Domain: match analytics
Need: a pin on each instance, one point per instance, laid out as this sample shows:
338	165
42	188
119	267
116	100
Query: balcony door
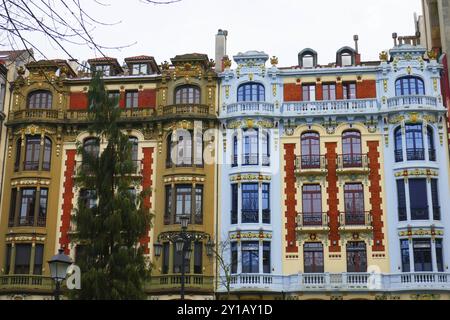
354	204
356	257
352	149
312	205
310	150
414	143
314	260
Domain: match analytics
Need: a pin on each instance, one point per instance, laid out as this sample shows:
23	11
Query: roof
13	54
139	58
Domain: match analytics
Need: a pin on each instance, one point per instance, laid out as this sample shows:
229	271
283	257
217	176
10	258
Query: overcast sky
278	27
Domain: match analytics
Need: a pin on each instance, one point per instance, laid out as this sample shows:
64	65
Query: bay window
250	257
183	200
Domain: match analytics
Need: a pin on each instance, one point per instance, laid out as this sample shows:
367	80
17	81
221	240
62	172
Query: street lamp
158	249
209	248
58	269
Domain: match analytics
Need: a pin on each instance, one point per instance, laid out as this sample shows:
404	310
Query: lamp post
58	270
183	241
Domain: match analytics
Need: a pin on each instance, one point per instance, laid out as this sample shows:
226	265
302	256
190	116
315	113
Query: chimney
221	48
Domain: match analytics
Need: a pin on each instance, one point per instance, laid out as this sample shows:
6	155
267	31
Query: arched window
398	137
40	99
187	95
408	86
91	147
251	152
47	154
18	154
307	58
351	149
251	91
32	153
345	57
310	150
431	145
134	148
414	142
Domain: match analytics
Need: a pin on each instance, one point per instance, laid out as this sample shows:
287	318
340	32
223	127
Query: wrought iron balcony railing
347	161
312	162
417	154
356	219
250	216
312	219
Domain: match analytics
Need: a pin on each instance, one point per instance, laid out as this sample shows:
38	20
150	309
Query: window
352	149
307	58
165	258
8	259
12	208
168	209
349	90
27	207
435	200
250	257
251	151
234	257
404	247
91	147
401	198
178	260
346	59
329	91
134	153
80	253
431	146
23	257
354	204
198	136
104	70
313	258
131	99
308	61
114	97
43	202
398	144
32	153
408	86
234	204
250	204
418	199
254	92
198	257
47	155
356	257
88	198
235	151
18	155
184	149
38	259
414	142
309	92
265	148
40	100
312	205
183	202
422	255
266	258
139	69
198	204
310	142
187	95
439	255
266	203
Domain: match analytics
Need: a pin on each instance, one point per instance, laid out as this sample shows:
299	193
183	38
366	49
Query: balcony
417	154
186	110
246	108
250	216
311	165
355	221
26	283
34	115
126	114
353	164
335	107
250	159
173	283
416	102
339	282
312	222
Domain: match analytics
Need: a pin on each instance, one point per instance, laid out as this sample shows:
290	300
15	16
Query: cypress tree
110	225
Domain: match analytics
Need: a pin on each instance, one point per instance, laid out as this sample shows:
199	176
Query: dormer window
104	69
139	69
346	57
307	58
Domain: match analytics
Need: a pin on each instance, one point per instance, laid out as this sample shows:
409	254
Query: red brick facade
333	200
68	195
375	195
147	183
78	101
291	201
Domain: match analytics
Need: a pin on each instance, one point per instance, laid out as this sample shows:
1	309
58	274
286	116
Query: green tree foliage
110	218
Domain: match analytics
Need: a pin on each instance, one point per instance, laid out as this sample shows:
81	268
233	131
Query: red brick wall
291	201
375	195
366	89
147	99
78	101
146	185
319	92
292	92
67	206
332	193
